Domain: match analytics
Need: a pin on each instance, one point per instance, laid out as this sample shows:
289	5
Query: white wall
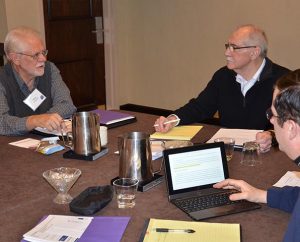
18	12
167	50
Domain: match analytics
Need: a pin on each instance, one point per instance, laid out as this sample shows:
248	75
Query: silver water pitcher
84	138
135	156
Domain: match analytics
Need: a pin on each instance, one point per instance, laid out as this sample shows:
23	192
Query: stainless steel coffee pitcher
84	138
135	156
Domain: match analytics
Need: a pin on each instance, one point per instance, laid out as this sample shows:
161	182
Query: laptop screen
194	168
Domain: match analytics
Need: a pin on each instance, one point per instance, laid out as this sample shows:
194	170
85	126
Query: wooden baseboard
145	109
161	112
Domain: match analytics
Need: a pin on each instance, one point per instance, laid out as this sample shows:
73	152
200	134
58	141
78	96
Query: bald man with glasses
32	92
240	92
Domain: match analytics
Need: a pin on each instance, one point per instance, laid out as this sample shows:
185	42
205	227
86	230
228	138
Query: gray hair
15	38
257	37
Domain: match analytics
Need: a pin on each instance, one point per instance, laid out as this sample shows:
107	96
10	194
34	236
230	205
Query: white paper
240	135
119	120
58	228
46	131
156	149
68	124
26	143
291	178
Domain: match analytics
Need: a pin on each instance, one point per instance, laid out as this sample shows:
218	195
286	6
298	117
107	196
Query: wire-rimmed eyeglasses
36	55
233	47
270	114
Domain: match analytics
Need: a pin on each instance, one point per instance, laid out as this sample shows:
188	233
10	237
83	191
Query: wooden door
72	43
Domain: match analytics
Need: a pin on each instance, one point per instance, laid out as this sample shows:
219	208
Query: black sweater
223	94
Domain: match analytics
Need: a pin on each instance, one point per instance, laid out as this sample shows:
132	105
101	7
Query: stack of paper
157	148
178	133
55	228
199	231
291	178
46	132
28	143
240	135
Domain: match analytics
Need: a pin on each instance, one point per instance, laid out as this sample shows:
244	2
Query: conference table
26	197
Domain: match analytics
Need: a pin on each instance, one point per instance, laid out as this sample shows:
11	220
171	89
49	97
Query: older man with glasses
32	92
240	92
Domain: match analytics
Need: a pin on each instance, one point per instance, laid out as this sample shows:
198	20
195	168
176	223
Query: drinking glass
250	154
229	146
125	189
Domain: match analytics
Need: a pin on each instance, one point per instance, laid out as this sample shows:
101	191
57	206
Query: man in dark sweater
285	116
32	93
240	92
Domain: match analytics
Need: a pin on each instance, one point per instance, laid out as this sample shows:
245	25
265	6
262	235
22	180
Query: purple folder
114	119
104	229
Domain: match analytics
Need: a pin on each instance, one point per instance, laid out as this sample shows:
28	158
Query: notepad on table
113	119
178	133
204	232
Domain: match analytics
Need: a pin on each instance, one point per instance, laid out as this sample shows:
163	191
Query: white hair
257	37
16	37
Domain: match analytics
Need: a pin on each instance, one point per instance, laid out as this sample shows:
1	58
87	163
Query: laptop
190	174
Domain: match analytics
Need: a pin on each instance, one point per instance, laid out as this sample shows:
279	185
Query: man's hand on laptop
247	191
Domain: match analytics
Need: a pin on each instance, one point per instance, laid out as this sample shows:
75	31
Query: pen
165	230
168	122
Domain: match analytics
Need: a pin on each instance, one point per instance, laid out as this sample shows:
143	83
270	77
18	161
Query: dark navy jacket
223	94
287	199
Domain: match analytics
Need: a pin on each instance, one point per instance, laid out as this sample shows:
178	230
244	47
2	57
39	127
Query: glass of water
229	146
125	189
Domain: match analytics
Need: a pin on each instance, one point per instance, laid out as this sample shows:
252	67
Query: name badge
35	99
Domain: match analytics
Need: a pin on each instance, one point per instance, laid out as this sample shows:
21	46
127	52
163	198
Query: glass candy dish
62	179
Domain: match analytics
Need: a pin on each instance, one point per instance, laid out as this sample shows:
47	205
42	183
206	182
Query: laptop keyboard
199	203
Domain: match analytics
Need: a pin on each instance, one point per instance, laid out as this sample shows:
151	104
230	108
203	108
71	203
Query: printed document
240	135
291	178
57	228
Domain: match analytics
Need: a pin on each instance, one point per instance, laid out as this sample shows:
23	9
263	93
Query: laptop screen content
196	168
191	168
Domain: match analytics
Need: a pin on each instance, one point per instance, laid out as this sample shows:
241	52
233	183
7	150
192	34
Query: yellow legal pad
178	133
204	232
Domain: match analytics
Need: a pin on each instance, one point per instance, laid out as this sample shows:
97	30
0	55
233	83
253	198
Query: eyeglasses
270	114
232	47
36	55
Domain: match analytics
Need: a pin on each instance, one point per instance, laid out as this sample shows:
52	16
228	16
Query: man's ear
293	129
255	53
14	58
